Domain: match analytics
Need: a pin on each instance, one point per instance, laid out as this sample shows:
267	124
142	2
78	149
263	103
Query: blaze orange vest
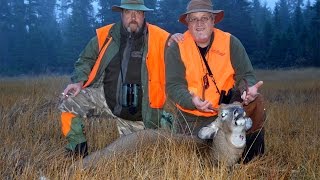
157	38
218	58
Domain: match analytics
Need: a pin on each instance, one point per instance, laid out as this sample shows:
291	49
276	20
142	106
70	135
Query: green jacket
175	72
87	59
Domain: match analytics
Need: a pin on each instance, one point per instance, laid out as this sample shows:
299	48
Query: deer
226	134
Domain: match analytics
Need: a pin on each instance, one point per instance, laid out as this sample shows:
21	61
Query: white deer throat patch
238	139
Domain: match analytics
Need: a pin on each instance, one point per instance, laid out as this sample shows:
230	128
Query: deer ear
248	124
208	132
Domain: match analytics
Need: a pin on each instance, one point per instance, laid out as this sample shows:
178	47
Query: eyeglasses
203	19
130	12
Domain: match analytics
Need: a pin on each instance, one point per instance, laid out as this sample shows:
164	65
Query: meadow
31	144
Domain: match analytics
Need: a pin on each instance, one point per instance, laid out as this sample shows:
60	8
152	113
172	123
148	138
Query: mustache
133	22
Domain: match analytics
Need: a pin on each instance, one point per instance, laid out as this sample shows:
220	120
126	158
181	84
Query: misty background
46	36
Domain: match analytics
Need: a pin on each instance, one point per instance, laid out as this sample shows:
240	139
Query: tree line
46	36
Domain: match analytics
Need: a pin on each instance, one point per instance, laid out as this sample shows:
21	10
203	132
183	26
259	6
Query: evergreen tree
277	51
261	22
17	35
34	38
42	36
263	46
315	35
151	16
276	20
63	7
299	30
258	15
38	36
51	33
167	18
5	16
308	13
105	14
238	22
79	30
298	21
290	47
283	15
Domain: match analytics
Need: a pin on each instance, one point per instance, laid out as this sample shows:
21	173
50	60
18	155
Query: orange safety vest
157	38
218	58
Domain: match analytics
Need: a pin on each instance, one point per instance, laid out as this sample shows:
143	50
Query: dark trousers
254	146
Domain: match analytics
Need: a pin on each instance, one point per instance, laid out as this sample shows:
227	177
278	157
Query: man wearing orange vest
120	74
210	67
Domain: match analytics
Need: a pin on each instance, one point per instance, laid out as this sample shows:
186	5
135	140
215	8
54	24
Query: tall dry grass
31	145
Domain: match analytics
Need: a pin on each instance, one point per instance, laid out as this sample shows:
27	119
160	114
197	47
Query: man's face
200	26
132	20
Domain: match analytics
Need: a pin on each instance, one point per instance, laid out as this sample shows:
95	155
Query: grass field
31	144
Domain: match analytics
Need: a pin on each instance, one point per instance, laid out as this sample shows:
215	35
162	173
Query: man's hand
251	93
201	105
177	37
73	89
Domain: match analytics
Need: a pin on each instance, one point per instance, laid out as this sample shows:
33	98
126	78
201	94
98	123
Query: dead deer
227	132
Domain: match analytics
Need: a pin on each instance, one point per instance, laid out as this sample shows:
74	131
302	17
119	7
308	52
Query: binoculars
130	95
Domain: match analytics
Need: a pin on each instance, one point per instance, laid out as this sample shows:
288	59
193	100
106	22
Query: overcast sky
271	3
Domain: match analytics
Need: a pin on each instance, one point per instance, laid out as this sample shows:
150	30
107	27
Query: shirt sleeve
241	65
85	62
176	83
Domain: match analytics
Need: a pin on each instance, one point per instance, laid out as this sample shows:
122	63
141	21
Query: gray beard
129	29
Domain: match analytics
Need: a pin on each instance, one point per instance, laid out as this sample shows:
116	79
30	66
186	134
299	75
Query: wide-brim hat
201	6
131	5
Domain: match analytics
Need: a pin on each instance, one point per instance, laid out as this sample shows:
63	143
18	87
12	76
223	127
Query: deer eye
223	114
238	112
